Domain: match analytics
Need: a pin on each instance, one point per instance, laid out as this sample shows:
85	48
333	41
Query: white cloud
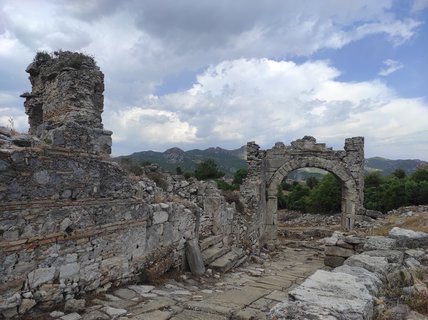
419	5
267	101
391	67
149	128
140	44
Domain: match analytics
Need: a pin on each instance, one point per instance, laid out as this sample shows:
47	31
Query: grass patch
417	222
418	301
394	294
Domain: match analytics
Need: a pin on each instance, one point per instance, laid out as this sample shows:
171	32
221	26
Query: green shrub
208	170
240	175
42	56
76	60
396	190
223	185
159	179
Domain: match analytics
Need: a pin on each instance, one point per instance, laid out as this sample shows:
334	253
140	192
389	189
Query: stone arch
267	168
349	195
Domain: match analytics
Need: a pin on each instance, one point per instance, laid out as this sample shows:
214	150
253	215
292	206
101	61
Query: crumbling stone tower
65	105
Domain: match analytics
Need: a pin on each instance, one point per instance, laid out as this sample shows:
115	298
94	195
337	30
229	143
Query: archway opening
333	188
310	199
310	190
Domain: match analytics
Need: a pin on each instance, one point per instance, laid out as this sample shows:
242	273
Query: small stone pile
339	247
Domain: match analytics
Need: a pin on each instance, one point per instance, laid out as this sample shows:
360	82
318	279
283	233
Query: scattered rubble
371	266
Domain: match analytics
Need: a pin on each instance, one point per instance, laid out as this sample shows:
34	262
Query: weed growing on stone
418	301
42	56
394	294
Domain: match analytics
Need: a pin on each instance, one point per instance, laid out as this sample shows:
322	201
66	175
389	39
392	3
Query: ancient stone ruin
267	168
65	105
73	222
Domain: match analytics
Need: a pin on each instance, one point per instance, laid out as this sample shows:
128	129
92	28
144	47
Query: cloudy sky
196	74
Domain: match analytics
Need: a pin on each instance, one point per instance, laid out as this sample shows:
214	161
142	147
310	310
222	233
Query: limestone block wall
70	223
215	215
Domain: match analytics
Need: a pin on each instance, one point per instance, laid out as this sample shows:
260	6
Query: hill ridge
231	160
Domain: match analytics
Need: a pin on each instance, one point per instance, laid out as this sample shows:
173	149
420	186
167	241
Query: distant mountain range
229	161
388	166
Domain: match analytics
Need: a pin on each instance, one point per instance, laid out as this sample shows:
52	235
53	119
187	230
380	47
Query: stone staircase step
229	260
214	252
210	241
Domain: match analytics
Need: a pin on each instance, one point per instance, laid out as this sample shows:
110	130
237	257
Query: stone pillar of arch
274	164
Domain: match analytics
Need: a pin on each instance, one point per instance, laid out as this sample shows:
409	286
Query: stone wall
253	197
71	223
71	220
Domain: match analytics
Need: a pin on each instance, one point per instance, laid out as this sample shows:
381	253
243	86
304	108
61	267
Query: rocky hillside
387	166
228	160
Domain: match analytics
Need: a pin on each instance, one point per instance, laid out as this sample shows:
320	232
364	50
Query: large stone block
393	256
327	295
409	238
377	265
115	268
69	272
40	276
333	261
379	243
194	258
160	217
338	251
369	279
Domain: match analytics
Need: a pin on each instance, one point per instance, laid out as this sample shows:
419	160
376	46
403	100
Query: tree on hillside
396	190
297	198
420	175
399	173
373	179
208	170
311	182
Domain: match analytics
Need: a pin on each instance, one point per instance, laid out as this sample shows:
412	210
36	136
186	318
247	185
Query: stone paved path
246	293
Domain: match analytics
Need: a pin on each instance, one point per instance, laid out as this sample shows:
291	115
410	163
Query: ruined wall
268	168
70	223
65	105
253	196
71	220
